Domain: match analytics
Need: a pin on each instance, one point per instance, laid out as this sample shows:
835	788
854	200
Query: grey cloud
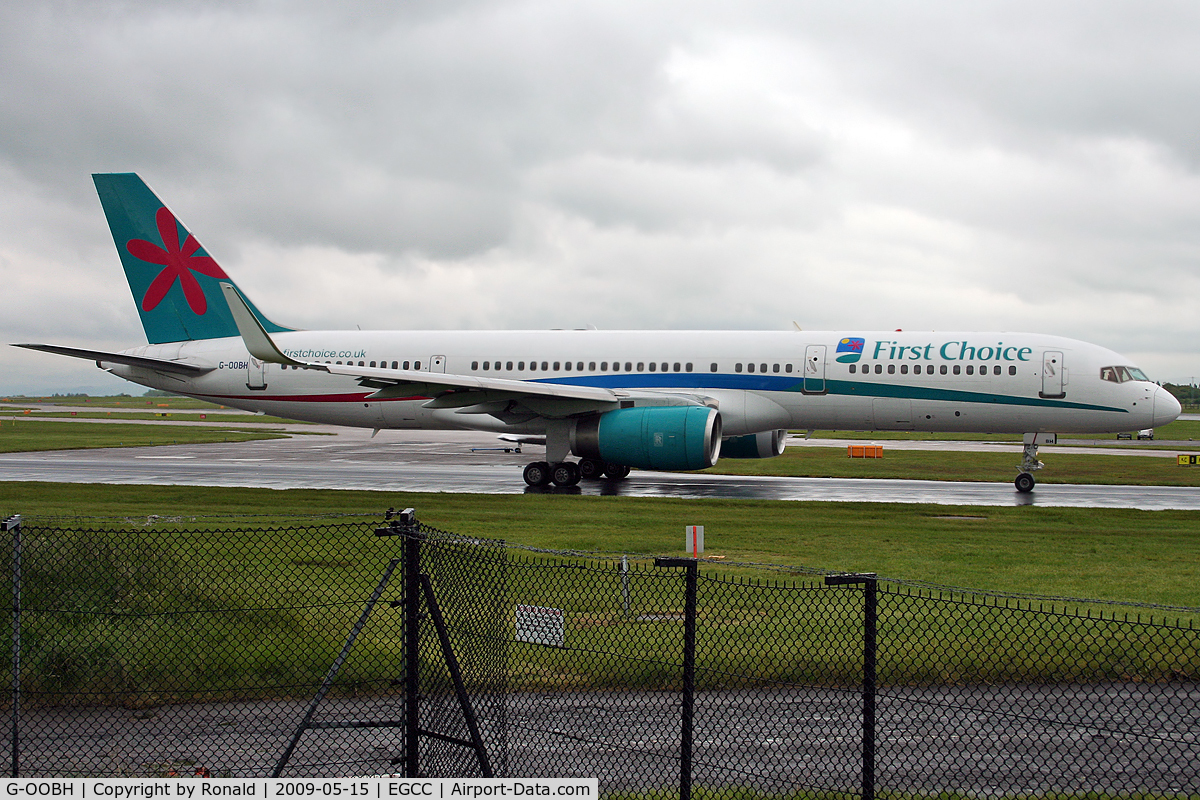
937	164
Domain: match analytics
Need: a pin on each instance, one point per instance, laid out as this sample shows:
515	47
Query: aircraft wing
468	393
99	356
398	383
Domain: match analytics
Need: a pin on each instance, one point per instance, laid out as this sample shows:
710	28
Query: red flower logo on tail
178	263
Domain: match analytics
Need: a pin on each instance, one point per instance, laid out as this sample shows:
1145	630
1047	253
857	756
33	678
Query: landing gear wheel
616	471
537	473
565	474
1024	483
590	469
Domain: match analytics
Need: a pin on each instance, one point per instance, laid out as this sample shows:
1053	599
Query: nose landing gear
1029	461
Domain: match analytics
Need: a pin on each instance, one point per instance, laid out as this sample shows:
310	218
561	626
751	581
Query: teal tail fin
174	281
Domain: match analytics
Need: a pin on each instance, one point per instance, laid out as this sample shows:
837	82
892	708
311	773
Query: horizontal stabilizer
519	439
99	356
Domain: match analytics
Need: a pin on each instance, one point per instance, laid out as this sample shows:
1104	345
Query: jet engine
652	437
765	444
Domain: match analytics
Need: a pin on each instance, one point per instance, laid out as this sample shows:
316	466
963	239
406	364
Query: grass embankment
209	563
171	615
1109	554
27	435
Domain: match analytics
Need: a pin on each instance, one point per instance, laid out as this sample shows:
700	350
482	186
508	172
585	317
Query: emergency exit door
1054	374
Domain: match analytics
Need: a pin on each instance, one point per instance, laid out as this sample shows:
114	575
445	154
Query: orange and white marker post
693	539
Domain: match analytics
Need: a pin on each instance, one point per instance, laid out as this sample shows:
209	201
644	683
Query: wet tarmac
478	463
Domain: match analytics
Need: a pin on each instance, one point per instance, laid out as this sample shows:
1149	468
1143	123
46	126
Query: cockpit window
1122	374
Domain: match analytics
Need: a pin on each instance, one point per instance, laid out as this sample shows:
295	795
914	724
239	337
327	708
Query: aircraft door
437	363
814	369
256	374
1054	375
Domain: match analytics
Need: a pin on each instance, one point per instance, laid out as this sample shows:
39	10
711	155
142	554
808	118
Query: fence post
13	524
689	669
870	583
412	648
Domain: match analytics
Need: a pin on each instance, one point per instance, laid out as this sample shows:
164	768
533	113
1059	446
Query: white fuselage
930	381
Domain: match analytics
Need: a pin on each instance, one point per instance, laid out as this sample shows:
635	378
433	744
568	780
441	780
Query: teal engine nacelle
652	437
766	444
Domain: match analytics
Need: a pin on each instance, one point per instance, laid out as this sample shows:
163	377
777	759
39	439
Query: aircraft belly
892	413
854	414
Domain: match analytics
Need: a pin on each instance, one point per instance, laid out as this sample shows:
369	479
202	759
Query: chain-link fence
354	646
180	649
840	686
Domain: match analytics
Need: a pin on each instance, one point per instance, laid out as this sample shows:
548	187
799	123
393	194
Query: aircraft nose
1166	407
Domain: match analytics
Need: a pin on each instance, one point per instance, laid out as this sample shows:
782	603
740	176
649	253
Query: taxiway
469	462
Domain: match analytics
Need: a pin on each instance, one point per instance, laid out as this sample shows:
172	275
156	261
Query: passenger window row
928	369
578	366
1117	374
382	364
760	367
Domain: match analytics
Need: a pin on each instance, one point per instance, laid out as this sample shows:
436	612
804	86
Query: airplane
616	400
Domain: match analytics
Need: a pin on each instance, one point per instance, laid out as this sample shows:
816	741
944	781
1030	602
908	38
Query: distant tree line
1186	395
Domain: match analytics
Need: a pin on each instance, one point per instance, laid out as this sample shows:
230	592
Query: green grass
173	614
827	462
25	435
1109	554
169	615
280	605
118	401
222	418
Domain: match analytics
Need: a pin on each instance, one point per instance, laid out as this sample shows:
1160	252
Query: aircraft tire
1024	482
537	473
590	469
616	471
565	474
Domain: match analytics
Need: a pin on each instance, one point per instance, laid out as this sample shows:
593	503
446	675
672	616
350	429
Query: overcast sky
852	166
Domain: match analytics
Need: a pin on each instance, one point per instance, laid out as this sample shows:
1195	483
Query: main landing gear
568	473
1029	461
